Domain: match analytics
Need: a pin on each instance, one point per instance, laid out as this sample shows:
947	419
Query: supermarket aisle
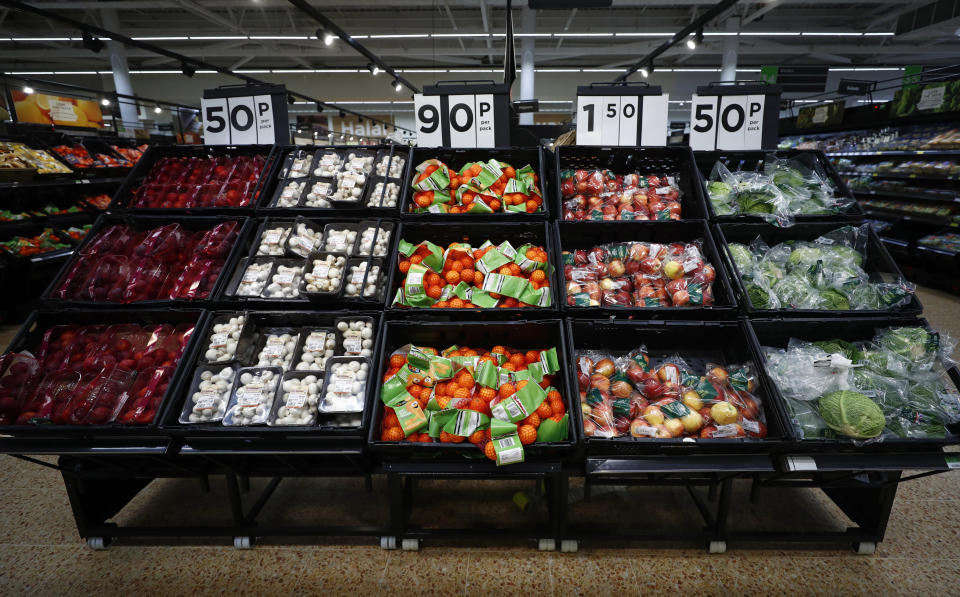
43	554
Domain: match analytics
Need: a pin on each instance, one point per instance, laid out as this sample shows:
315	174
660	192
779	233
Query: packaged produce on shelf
633	396
131	154
273	241
55	210
384	195
499	400
92	374
12	216
195	182
484	277
286	363
254	278
253	395
290	193
605	195
297	403
945	241
324	273
892	386
345	386
390	166
826	273
18	155
926	210
78	233
639	274
936	136
126	265
100	201
284	283
477	187
785	188
328	164
45	242
77	156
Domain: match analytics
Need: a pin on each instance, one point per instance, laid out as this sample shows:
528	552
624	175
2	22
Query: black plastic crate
93	145
775	332
574	235
696	342
518	157
263	436
125	194
643	160
512	334
752	161
878	263
278	177
442	234
146	222
31	334
248	248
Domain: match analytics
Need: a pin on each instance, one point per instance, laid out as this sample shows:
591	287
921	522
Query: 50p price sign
613	114
245	115
735	117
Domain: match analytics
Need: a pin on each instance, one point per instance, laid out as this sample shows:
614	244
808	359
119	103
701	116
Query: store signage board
734	117
621	115
245	115
464	115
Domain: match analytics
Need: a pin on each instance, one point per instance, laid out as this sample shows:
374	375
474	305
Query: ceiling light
105	101
27	89
644	71
397	86
352	137
691	43
373	68
328	39
157	110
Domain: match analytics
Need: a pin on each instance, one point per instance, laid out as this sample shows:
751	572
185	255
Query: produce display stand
106	467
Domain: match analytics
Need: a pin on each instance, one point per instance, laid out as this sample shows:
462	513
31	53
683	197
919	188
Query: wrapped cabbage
742	257
852	414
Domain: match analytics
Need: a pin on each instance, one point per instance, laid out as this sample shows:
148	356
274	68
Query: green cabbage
796	291
804	257
843	252
759	298
718	190
915	344
837	346
742	257
834	300
852	414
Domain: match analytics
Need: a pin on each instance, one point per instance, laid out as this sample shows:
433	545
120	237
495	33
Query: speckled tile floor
42	553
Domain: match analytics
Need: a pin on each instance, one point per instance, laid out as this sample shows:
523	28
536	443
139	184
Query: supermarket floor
43	555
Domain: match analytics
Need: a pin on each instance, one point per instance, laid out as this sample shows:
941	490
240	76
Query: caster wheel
547	545
242	543
569	546
718	547
865	548
96	543
388	542
411	545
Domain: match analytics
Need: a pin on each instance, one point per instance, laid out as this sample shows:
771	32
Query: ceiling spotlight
92	43
157	110
105	101
187	69
691	43
328	39
644	71
695	39
299	131
373	68
27	89
397	86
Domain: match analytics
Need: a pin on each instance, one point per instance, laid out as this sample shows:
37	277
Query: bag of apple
604	195
629	397
639	274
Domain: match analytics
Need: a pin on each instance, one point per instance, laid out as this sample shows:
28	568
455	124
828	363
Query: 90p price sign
466	116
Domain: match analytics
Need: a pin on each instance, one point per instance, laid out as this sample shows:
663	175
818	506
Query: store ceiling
467	34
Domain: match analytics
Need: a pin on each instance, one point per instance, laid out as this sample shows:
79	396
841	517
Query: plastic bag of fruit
498	400
478	187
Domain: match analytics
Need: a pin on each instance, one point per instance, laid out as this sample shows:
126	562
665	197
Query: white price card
427	120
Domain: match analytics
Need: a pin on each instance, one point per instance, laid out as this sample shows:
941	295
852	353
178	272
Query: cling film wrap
439	416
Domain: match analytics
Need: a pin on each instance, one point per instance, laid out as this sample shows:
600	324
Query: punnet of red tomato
191	182
634	396
127	265
92	374
499	400
606	195
477	187
639	274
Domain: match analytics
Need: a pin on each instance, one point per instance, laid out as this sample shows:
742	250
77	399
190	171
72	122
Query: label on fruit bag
304	243
322	270
342	386
273	348
271	237
252	395
206	400
357	164
316	342
348	182
219	340
358	275
352	345
328	160
726	431
285	278
663	190
508	449
251	275
296	399
751	426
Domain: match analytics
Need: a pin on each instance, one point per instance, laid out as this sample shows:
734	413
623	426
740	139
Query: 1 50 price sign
610	114
734	117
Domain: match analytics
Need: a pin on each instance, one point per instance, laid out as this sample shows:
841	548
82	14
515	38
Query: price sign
734	120
610	114
245	115
463	115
